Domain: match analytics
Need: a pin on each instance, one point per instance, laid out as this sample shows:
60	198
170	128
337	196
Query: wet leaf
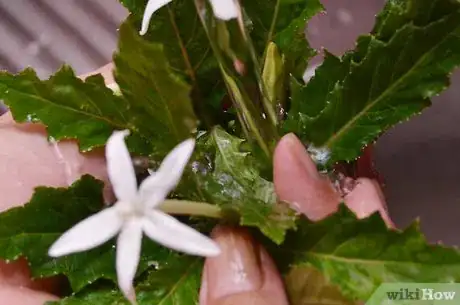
235	183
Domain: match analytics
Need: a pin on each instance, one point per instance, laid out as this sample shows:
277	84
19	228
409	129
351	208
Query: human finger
298	182
24	296
243	273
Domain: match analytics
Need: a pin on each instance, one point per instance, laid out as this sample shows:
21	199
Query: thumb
242	274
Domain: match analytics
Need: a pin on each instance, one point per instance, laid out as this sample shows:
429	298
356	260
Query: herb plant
230	78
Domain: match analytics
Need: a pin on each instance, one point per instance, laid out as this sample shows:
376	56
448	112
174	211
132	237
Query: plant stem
250	117
242	100
266	102
273	24
195	208
183	49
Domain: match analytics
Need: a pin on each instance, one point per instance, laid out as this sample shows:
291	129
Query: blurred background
419	160
44	34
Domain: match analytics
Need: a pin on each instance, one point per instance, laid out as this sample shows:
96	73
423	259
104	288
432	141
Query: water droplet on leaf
319	155
154	264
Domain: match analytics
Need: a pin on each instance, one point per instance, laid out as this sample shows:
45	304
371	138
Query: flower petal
171	233
150	9
89	233
154	189
128	254
120	167
225	9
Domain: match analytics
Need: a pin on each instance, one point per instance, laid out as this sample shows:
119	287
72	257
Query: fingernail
379	192
367	198
237	269
300	154
384	211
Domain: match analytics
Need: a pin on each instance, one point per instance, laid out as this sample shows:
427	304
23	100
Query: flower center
130	209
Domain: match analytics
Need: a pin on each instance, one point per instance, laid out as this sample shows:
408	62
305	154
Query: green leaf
389	79
319	90
288	29
178	28
147	81
30	230
305	285
70	108
273	76
234	182
180	19
359	255
136	7
155	103
175	283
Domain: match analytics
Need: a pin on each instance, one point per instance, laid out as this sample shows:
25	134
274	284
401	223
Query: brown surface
419	160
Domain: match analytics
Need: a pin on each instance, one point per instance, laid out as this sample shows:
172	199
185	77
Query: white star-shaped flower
223	9
135	213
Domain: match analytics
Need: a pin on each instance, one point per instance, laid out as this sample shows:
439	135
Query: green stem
267	103
189	68
273	24
183	49
248	113
195	208
241	99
